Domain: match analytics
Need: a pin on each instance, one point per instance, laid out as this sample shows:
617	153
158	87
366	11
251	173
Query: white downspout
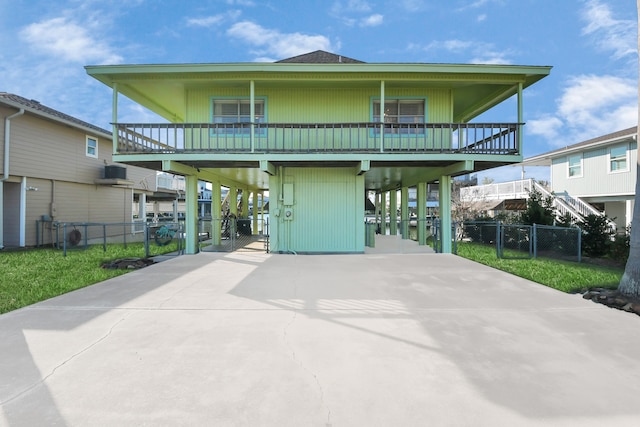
5	171
23	212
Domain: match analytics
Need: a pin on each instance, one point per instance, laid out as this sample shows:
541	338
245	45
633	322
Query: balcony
262	138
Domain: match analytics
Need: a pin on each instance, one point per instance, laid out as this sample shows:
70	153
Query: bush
540	210
596	235
619	248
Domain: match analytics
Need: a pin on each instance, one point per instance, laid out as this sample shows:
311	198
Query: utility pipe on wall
5	171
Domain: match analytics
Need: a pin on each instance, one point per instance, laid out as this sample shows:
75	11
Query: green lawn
565	276
30	276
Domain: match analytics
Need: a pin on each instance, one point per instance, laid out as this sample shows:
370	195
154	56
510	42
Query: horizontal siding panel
596	180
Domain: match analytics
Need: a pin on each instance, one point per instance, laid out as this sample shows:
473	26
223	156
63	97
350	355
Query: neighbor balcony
424	138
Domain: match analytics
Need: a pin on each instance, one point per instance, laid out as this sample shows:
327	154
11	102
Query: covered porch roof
163	88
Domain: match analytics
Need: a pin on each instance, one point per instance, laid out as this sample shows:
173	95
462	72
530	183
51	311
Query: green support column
377	213
383	214
233	201
245	203
404	212
216	213
445	213
421	197
393	212
254	213
191	214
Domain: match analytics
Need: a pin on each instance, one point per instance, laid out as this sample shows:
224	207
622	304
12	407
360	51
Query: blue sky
591	44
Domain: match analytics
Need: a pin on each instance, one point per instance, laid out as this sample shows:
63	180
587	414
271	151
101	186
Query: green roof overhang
163	88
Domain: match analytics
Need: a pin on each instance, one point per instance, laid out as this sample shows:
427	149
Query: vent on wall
115	172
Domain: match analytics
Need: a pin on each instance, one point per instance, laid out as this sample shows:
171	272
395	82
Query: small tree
596	235
540	210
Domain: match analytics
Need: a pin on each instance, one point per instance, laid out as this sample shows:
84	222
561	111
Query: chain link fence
152	237
517	241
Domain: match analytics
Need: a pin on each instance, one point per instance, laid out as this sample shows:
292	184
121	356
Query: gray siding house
600	171
57	167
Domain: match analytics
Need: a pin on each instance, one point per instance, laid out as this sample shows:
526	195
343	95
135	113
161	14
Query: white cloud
590	106
547	126
358	6
483	53
64	39
482	17
247	3
413	5
214	20
208	21
372	21
273	42
609	33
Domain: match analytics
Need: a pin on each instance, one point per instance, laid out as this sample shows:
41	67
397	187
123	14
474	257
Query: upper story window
229	112
402	111
92	147
575	166
618	159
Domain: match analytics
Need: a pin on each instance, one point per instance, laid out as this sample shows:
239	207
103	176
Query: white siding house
600	171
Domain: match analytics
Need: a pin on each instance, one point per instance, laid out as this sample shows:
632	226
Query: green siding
328	211
311	105
315	105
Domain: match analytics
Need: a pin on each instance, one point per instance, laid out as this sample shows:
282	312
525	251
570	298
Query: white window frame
579	166
618	158
399	118
89	147
239	118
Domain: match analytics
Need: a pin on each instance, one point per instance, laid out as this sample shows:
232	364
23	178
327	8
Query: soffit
163	89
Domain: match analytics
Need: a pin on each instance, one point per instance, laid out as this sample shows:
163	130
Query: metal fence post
579	244
64	239
146	239
104	237
534	239
498	240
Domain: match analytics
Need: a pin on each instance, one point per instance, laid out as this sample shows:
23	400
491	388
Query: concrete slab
246	339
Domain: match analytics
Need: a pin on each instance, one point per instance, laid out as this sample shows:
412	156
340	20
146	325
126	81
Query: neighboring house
318	131
58	168
597	176
601	172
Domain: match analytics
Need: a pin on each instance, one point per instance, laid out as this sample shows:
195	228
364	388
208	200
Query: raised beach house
318	131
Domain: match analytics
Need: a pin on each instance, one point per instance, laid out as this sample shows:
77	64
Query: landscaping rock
612	298
128	263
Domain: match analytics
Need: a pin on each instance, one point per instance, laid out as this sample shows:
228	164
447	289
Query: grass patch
35	275
564	276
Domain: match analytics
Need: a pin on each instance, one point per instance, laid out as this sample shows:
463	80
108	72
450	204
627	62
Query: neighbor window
92	147
575	166
618	159
229	112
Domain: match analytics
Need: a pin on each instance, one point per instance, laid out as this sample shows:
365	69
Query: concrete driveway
336	340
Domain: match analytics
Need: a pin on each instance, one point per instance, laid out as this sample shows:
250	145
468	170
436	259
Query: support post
404	212
421	223
254	213
383	213
216	213
445	213
393	212
191	214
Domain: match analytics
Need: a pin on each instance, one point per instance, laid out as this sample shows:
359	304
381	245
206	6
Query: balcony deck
328	138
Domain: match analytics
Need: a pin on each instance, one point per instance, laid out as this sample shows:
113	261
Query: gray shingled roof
36	107
320	57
